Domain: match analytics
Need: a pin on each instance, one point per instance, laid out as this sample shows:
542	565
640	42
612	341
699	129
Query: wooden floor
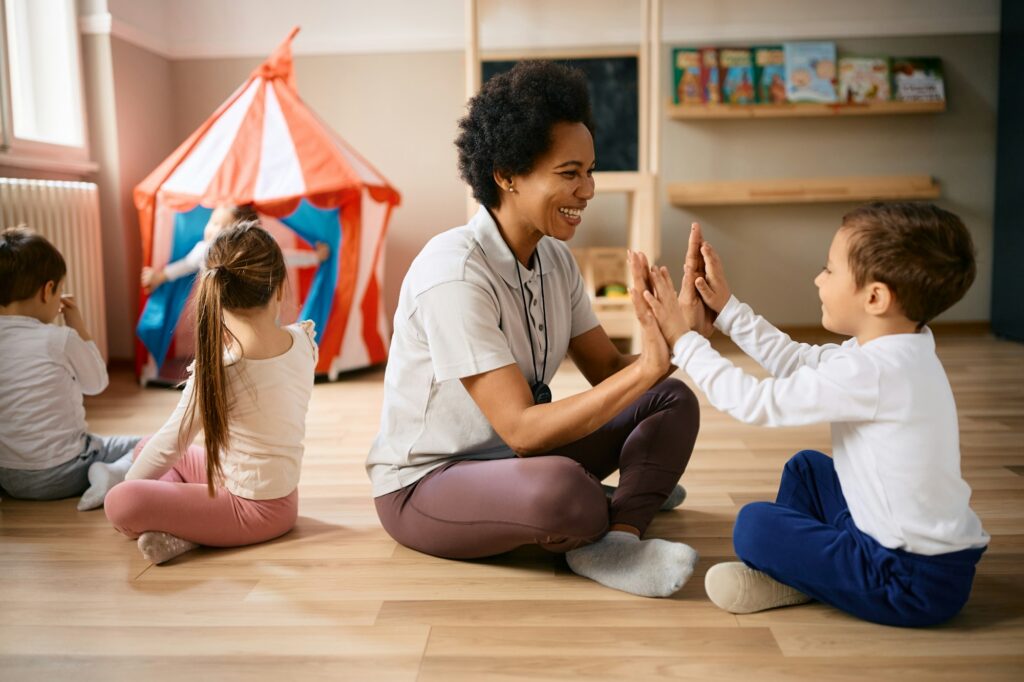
337	599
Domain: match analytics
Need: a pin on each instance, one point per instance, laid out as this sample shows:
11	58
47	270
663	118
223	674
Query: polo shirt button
540	327
534	302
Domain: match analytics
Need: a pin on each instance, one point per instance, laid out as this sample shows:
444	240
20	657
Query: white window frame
33	154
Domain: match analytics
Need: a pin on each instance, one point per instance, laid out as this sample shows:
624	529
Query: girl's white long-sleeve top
266	423
895	436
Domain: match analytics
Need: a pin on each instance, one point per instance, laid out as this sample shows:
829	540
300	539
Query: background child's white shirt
44	372
895	436
267	402
195	261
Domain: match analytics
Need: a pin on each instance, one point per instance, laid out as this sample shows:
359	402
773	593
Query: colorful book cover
918	79
770	74
863	79
810	71
686	69
737	68
709	80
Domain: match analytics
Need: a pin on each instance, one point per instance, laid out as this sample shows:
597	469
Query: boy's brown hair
923	253
27	262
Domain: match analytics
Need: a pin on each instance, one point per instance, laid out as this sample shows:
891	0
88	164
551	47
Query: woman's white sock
674	499
622	561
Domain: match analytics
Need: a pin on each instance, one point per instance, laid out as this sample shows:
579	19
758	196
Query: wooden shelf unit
803	190
694	112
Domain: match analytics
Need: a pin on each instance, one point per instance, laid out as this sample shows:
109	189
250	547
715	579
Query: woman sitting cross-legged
472	458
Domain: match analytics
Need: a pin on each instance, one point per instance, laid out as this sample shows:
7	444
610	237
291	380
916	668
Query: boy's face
842	307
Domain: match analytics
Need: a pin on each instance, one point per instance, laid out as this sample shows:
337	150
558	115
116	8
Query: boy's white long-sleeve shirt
44	372
895	436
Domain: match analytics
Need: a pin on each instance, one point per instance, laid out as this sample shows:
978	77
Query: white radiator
68	214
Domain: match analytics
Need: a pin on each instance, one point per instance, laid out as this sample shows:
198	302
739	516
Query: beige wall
128	98
401	111
98	70
145	131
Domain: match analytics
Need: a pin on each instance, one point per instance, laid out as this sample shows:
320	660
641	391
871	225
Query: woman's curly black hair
509	122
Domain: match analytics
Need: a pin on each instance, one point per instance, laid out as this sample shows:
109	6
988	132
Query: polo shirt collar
497	252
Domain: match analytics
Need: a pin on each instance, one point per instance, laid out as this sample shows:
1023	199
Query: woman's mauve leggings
179	504
476	508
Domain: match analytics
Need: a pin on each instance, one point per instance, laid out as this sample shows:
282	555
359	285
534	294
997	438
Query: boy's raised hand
694	268
73	316
712	286
676	315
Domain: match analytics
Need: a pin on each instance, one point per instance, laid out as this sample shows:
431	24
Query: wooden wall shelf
803	191
799	110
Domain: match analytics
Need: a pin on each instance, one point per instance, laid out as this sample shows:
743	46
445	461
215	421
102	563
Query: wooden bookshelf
803	191
800	109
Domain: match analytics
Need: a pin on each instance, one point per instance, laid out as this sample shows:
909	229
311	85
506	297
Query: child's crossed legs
179	505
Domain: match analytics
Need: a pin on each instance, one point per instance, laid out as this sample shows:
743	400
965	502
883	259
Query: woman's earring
511	188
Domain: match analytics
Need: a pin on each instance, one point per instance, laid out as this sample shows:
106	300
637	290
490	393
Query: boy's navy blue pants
808	540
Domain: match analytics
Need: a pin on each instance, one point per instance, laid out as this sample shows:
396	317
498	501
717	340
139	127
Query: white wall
229	28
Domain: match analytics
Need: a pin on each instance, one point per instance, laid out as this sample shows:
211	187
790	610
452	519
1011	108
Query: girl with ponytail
248	391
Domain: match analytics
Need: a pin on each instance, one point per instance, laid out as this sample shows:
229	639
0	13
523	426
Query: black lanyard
541	392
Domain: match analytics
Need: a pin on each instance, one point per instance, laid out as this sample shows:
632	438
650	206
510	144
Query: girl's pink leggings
179	504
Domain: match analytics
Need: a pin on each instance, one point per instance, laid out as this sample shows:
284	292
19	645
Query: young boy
45	451
883	529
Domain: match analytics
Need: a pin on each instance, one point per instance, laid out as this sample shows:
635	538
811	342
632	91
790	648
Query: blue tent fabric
319	225
165	305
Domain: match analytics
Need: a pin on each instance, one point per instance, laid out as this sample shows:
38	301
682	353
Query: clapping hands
702	294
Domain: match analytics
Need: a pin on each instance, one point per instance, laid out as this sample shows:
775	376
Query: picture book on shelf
737	75
709	80
686	70
918	79
810	71
770	74
863	79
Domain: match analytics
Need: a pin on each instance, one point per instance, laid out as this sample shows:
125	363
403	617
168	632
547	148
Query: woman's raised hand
654	352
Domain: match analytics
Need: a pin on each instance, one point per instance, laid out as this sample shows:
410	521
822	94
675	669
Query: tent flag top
264	147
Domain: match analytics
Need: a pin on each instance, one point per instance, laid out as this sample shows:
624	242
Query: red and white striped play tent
265	147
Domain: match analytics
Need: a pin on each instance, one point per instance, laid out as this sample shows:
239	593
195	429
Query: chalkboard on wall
615	102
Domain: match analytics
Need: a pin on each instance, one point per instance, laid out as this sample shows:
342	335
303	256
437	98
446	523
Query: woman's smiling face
551	197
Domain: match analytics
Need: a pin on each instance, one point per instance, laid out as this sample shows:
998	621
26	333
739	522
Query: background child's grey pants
70	478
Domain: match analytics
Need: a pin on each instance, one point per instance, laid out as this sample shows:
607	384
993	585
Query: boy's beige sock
675	498
159	547
737	588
